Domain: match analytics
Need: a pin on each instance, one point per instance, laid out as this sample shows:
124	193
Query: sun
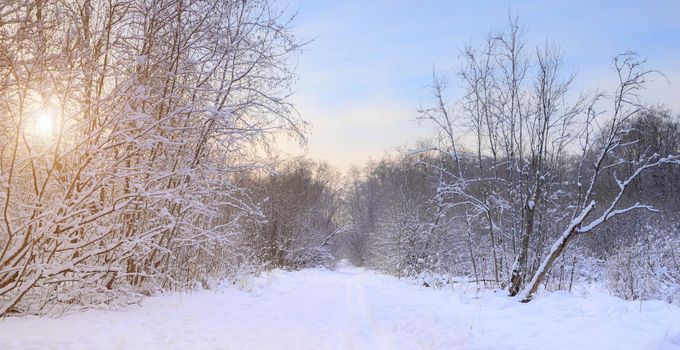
43	124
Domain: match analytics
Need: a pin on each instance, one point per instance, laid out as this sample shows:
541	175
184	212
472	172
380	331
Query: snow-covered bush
649	269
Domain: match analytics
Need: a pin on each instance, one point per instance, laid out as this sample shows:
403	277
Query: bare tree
631	76
514	175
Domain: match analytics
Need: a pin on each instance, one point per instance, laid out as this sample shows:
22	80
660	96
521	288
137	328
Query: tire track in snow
365	332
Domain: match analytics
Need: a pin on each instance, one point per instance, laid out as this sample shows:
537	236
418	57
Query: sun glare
44	124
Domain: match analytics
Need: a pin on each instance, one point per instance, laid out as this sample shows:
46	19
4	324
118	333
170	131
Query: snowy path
352	308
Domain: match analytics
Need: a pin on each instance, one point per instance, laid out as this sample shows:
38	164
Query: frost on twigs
154	110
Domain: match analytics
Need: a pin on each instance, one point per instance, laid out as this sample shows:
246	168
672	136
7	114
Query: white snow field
352	308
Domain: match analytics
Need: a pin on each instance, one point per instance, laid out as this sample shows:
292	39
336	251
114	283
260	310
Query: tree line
526	184
525	174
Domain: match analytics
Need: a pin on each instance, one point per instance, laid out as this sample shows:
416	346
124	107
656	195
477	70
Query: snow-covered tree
123	125
518	174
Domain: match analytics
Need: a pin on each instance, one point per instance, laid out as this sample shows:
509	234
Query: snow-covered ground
352	308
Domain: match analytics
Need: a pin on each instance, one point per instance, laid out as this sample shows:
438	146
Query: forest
138	156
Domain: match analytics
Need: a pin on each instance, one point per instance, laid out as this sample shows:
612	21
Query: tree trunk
543	270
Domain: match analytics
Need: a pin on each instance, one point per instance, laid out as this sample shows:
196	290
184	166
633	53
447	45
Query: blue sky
364	75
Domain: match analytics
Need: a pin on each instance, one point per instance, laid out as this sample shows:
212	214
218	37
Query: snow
353	308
